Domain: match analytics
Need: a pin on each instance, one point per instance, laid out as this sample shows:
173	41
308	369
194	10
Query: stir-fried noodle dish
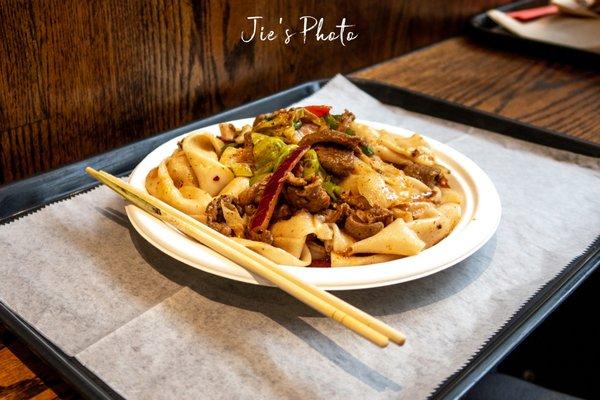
306	187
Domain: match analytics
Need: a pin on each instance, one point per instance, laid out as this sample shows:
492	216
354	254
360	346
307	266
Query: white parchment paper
152	327
73	271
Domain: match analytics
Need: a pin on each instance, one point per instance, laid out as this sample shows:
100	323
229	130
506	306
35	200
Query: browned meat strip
355	200
261	117
317	249
227	132
336	161
250	209
294	180
248	140
253	194
222	228
282	211
214	214
260	235
328	136
431	176
345	120
277	119
247	155
312	197
375	214
337	213
362	224
249	195
360	230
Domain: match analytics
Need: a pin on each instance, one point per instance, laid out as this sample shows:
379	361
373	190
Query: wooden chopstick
327	304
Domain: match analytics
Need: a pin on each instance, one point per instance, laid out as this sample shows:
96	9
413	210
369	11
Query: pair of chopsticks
323	302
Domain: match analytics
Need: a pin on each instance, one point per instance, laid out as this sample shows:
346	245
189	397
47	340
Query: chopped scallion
367	150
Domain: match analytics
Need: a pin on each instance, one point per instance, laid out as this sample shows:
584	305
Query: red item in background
533	13
319	111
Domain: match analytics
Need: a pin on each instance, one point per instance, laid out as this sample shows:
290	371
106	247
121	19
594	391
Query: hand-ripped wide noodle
353	195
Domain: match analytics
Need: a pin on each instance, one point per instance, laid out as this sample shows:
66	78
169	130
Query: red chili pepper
319	111
267	202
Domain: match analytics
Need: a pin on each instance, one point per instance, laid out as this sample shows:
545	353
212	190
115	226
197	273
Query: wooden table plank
78	78
24	376
547	94
560	97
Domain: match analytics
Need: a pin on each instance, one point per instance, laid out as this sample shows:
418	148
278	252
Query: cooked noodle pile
305	187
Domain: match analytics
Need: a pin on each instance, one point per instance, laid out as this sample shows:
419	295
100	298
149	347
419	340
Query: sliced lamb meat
375	214
246	154
213	210
329	136
337	213
335	160
362	224
355	200
316	248
222	228
278	119
260	235
248	140
261	117
360	230
214	214
228	132
345	120
294	180
312	197
249	210
282	211
431	176
253	194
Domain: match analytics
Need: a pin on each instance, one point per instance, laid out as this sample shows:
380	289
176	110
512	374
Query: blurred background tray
483	29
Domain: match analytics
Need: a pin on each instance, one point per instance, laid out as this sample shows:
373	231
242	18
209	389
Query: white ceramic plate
480	217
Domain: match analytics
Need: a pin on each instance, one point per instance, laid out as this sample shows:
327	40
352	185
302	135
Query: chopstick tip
90	170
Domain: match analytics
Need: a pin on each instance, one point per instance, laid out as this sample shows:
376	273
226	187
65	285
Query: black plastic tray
484	29
25	196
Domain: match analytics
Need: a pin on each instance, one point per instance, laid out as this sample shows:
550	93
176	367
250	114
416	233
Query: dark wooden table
78	79
552	95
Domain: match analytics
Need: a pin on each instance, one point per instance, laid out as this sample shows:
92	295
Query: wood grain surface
557	96
24	376
78	78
